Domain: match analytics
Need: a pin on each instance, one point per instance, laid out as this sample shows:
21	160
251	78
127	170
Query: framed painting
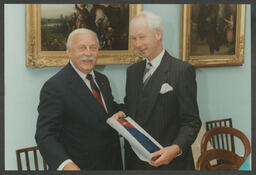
213	34
48	26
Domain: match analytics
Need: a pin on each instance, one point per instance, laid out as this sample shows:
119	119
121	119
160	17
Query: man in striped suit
161	96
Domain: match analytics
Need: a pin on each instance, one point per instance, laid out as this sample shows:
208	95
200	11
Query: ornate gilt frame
212	60
36	58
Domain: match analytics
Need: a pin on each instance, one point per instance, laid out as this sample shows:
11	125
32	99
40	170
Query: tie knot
89	77
149	65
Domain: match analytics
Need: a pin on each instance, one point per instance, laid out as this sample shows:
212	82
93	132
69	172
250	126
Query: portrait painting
213	34
48	26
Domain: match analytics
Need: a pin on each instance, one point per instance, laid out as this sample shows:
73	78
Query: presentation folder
141	142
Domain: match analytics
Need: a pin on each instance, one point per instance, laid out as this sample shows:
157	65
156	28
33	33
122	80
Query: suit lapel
103	90
137	80
79	88
154	84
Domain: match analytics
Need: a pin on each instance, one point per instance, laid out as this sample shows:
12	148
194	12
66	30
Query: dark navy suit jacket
72	124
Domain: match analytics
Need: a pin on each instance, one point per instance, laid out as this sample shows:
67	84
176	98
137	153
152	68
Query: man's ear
159	34
69	53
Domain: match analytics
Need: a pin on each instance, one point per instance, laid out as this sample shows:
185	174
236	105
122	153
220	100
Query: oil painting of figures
109	21
213	29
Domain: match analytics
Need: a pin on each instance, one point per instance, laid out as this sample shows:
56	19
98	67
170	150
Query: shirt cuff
180	153
63	164
123	113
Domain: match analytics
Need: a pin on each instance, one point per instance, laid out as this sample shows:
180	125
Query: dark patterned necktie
147	73
95	90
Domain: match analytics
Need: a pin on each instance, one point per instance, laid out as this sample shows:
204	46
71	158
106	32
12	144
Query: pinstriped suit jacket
172	117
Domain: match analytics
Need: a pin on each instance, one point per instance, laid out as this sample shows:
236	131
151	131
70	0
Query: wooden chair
228	131
232	160
26	151
216	140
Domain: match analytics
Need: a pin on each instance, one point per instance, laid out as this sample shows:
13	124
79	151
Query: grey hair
154	22
77	31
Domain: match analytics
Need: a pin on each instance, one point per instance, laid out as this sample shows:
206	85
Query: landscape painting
49	25
109	21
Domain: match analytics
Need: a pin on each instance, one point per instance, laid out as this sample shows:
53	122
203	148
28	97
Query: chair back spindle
28	158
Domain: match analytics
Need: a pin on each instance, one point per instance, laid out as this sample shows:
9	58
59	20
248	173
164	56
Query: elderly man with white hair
72	133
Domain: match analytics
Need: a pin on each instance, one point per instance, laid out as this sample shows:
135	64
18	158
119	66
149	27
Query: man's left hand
119	115
164	156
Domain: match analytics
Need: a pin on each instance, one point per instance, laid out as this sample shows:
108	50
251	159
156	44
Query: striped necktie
147	73
95	90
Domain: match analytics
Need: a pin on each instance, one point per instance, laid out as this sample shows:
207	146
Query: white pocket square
165	88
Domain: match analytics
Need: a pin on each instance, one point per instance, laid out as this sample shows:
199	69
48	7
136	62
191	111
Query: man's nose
87	51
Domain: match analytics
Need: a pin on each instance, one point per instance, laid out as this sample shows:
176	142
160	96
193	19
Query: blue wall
222	91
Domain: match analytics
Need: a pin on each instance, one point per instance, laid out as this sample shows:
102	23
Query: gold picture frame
37	58
195	33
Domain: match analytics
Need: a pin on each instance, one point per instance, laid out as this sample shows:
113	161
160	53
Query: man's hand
164	156
71	166
119	115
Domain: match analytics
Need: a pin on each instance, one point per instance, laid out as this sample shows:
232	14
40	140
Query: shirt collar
81	74
157	60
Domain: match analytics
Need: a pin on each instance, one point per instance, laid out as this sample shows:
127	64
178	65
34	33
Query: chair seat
232	160
222	155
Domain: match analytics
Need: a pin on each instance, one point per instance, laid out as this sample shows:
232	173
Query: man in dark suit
161	96
72	133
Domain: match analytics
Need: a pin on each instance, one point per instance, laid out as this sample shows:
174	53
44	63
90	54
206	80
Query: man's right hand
71	166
